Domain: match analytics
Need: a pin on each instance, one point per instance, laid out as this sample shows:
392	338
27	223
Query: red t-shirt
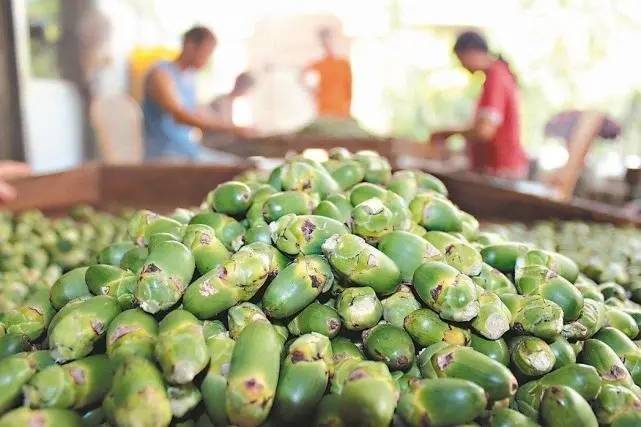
503	155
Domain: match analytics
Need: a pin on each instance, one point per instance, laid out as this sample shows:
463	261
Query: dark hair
470	40
244	79
198	35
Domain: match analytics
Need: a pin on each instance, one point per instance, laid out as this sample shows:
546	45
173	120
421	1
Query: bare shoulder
157	75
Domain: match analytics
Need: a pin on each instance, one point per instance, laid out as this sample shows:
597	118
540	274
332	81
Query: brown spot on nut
444	360
265	402
205	239
119	332
78	375
357	374
36	309
317	281
402	361
436	292
307	228
151	268
615	373
297	356
253	385
97	326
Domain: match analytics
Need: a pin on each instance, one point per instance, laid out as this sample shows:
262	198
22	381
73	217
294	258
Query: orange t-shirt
334	92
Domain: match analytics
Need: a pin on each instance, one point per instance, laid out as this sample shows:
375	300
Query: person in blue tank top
171	114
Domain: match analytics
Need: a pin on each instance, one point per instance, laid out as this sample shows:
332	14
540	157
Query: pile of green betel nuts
35	250
604	253
331	293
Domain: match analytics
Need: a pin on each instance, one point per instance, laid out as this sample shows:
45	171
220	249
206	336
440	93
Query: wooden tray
159	187
162	187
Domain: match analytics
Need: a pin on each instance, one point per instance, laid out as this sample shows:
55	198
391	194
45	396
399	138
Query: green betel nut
132	333
208	251
441	402
181	350
165	275
408	251
399	305
253	376
446	291
304	234
303	377
359	308
391	345
74	330
231	198
371	220
362	264
137	387
296	286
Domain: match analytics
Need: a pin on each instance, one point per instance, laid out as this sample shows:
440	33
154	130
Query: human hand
11	169
7	192
245	132
439	137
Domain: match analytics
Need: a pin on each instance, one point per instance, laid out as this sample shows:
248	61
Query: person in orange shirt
333	92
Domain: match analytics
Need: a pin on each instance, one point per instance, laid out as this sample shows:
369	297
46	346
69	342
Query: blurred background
568	55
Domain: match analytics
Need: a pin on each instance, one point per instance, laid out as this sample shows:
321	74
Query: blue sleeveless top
164	137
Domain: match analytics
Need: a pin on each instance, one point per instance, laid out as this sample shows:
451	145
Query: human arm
482	130
162	90
490	114
7	192
8	170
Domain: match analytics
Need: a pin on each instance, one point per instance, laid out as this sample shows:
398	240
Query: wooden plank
160	187
163	187
55	192
489	201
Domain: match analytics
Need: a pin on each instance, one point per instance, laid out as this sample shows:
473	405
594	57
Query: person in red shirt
493	140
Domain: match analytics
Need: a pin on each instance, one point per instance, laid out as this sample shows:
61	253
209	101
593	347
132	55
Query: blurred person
10	170
563	124
333	93
223	105
493	140
171	114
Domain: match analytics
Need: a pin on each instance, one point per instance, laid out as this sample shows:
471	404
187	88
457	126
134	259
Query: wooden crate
488	201
159	187
162	187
